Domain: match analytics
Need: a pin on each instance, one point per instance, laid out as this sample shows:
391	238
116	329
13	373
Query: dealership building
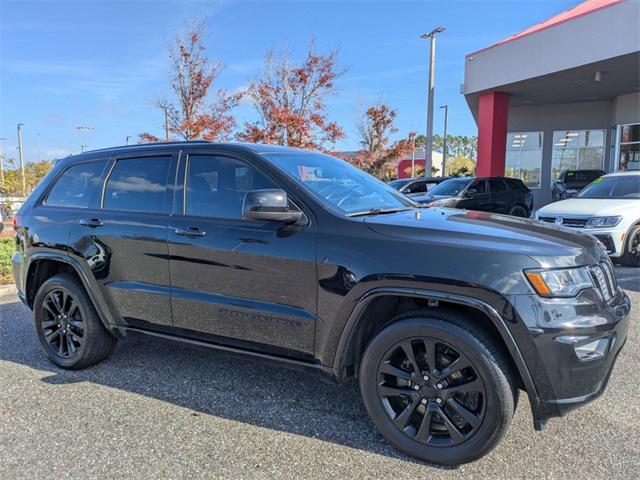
563	94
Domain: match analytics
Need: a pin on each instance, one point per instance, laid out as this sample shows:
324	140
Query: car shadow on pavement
209	382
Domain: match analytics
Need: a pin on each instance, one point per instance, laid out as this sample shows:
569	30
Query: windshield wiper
378	211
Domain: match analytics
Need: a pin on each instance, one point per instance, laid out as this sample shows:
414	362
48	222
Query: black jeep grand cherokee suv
441	314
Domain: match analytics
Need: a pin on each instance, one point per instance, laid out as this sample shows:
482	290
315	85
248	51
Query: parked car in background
609	209
570	183
491	194
422	185
441	315
400	182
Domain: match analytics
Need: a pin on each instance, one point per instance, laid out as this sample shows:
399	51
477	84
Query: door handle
191	232
91	222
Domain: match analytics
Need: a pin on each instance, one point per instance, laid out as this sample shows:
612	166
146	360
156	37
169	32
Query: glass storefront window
524	157
577	150
629	147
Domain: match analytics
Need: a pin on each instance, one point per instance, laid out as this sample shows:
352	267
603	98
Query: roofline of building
518	36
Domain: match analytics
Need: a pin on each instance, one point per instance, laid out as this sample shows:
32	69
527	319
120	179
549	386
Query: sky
102	64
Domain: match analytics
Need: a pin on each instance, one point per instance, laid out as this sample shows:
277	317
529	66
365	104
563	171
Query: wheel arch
348	343
43	265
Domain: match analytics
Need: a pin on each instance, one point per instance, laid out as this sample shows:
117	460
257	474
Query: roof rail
138	145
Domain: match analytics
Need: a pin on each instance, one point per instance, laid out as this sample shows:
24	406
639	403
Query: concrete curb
6	290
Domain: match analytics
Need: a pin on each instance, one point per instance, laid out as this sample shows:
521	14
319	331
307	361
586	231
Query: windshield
450	188
617	186
339	183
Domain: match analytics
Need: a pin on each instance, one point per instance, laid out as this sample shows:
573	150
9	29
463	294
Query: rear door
500	196
124	238
244	282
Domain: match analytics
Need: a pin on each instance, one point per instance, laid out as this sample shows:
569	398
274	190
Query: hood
591	207
426	198
548	245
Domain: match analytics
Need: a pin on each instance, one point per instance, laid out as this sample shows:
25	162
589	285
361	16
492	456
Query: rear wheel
438	388
68	327
518	211
631	256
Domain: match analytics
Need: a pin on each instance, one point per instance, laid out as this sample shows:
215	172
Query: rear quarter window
77	185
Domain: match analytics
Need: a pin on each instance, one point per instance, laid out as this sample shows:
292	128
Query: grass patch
7	247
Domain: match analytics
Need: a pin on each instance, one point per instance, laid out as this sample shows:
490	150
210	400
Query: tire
488	405
519	211
68	327
631	255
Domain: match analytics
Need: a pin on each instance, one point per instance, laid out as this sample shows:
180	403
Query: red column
493	114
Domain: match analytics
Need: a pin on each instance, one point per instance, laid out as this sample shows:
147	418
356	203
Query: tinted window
479	186
77	185
450	188
216	186
138	185
515	184
416	187
497	186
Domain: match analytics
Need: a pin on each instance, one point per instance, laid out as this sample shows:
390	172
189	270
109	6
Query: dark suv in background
442	315
571	182
489	194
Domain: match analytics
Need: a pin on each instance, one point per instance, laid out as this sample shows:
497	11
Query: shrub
7	247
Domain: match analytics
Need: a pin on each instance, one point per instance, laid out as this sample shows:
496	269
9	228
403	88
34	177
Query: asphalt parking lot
154	410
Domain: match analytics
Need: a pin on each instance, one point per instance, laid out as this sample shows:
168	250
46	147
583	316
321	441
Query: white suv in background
609	209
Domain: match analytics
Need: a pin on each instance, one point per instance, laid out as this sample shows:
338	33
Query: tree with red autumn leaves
377	157
291	99
192	76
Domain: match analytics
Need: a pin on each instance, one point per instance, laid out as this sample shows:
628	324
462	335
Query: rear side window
77	185
138	185
497	186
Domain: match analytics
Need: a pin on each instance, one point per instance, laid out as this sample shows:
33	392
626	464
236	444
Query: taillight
16	222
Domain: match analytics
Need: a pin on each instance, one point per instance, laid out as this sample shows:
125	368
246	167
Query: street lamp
24	181
444	139
2	139
84	131
428	147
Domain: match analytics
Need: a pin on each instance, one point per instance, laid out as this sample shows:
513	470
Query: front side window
138	185
77	185
451	187
524	157
338	183
216	186
479	186
577	150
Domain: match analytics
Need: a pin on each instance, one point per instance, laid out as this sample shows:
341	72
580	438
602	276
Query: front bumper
556	327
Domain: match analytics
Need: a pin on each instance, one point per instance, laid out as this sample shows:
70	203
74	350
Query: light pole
2	139
84	131
444	139
126	139
166	124
24	181
428	147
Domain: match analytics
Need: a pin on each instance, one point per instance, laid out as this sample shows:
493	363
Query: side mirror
269	205
471	192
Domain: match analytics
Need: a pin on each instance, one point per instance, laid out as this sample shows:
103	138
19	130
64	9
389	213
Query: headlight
602	222
565	282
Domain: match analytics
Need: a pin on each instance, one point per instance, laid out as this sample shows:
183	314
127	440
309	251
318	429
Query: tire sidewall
496	409
515	208
628	259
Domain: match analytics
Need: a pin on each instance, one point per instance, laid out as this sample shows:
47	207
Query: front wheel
438	388
631	256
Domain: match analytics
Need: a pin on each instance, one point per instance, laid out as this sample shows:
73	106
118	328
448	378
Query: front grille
575	222
604	279
607	241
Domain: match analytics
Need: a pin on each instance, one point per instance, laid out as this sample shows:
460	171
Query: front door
246	282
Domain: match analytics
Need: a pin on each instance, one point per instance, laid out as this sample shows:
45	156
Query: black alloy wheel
431	391
518	211
68	326
61	323
438	386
